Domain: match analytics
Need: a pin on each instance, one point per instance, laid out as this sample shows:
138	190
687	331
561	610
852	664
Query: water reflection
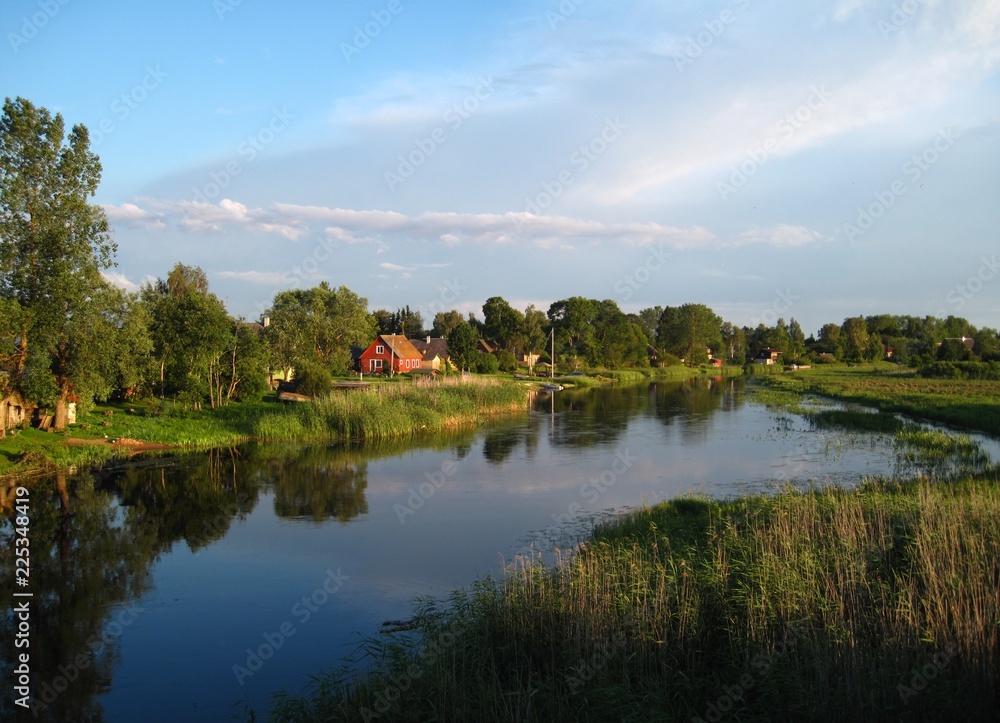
97	539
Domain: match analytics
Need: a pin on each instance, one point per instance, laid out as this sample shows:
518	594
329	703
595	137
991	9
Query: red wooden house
390	352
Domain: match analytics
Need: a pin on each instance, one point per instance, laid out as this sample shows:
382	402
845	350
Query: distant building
433	351
390	352
767	357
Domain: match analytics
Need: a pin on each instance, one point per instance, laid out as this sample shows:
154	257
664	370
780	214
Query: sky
817	160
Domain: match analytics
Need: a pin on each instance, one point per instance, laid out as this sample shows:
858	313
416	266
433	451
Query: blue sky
815	160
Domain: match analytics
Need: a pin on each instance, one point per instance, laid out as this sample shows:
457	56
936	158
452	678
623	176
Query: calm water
160	587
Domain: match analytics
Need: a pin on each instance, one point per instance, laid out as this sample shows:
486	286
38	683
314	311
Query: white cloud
453	229
131	215
265	278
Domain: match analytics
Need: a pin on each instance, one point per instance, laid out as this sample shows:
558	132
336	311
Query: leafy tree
502	321
649	320
462	343
319	324
183	280
797	348
689	330
571	318
734	343
506	361
954	350
854	333
445	322
532	333
53	245
384	321
408	323
829	340
987	346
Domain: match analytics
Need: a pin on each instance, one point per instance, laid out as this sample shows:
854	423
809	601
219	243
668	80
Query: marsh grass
394	410
876	604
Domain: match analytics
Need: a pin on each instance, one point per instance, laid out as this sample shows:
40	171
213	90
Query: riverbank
876	604
967	403
879	603
384	411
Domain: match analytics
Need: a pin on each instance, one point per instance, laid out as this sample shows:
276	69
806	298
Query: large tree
320	325
688	331
54	244
502	321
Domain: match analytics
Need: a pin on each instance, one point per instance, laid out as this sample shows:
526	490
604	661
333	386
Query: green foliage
319	324
506	361
313	379
53	245
502	321
689	331
462	343
486	363
962	370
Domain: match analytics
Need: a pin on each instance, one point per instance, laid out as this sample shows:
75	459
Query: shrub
314	379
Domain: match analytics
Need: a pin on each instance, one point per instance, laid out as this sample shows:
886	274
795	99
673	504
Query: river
186	587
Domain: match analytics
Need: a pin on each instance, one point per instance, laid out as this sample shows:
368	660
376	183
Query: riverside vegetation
385	411
878	603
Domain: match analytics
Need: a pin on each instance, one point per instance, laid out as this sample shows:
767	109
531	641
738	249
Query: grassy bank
966	403
384	411
877	604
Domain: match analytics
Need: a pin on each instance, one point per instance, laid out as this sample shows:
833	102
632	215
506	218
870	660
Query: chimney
428	340
267	321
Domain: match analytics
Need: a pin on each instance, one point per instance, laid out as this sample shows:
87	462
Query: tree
319	325
408	323
734	342
532	334
689	330
571	318
462	343
53	243
829	340
649	320
501	320
854	334
384	321
445	322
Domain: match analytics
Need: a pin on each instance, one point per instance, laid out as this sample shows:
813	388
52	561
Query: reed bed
394	410
881	603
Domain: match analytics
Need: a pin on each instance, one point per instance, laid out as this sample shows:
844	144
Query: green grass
821	606
970	404
388	410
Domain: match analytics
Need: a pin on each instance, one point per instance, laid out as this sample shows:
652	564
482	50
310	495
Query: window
376	363
407	363
380	350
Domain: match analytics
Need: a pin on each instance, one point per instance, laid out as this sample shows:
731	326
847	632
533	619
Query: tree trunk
62	412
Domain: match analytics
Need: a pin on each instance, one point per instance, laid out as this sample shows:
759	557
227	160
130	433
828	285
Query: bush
314	379
486	364
506	361
962	370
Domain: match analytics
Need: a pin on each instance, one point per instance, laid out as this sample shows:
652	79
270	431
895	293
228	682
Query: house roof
486	346
431	347
967	340
400	346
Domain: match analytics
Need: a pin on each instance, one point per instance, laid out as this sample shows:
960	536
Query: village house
390	353
767	357
433	351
